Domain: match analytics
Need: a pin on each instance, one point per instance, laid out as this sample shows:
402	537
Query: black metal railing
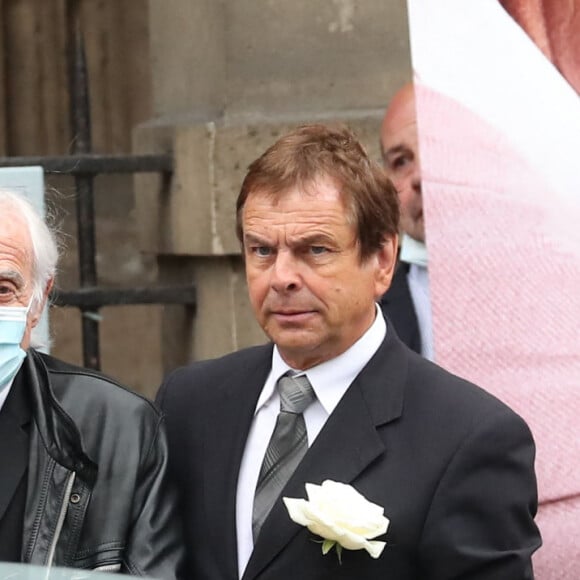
84	166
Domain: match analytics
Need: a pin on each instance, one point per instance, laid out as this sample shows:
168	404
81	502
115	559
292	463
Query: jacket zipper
60	522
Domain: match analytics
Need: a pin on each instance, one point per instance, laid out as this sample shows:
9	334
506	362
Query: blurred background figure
407	303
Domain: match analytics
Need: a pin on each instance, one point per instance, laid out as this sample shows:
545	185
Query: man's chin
418	234
294	339
300	356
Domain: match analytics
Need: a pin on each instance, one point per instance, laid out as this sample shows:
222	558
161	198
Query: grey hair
44	242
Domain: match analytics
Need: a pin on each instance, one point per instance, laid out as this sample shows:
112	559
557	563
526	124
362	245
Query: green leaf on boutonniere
327	545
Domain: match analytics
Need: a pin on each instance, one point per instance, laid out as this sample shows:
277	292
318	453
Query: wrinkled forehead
15	241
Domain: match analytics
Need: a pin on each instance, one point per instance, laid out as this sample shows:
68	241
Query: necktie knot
296	393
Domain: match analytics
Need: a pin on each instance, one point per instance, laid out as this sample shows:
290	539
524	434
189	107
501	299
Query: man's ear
387	261
35	317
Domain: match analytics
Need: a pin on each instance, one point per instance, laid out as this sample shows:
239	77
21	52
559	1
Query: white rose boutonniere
340	515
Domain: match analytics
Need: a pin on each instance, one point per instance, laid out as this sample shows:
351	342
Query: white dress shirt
4	394
415	253
330	380
418	278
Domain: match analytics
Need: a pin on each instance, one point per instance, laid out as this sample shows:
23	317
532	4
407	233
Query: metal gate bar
93	164
84	166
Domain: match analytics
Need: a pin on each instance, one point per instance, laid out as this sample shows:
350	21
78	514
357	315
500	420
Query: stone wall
235	76
214	82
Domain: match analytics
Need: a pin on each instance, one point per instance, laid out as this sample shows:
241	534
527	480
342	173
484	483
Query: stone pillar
228	79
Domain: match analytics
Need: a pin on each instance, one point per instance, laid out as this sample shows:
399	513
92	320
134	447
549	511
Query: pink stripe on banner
504	264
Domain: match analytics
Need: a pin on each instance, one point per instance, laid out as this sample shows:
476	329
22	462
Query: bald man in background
407	303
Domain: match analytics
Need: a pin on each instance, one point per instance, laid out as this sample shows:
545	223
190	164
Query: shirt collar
330	379
413	251
4	393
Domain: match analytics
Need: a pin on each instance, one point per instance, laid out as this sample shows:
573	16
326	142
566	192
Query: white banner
500	140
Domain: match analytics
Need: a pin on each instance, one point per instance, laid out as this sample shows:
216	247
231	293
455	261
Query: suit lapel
15	415
345	447
232	413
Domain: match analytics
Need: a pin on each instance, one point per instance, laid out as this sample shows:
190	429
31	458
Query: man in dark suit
83	459
337	396
407	303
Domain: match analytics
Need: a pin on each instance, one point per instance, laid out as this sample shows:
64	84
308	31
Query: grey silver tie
286	448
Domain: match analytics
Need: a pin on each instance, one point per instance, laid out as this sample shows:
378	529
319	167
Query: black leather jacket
97	495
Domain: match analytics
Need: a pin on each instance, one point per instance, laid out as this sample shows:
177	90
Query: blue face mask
12	328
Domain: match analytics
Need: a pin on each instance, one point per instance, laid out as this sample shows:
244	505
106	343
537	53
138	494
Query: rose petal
368	529
313	491
320	523
350	540
296	510
375	549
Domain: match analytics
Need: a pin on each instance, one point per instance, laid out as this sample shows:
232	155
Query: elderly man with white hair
83	460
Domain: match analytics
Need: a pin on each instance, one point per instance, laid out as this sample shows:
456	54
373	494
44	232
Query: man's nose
286	272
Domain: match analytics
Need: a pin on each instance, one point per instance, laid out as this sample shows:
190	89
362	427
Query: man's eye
262	251
399	162
318	250
6	292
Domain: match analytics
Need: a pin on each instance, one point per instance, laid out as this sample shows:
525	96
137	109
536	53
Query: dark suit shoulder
449	401
205	377
480	455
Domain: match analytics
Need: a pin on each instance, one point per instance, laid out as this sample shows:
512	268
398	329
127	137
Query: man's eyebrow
303	240
395	150
255	239
312	240
13	276
314	237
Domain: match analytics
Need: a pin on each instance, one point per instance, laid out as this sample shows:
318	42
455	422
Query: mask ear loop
29	307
